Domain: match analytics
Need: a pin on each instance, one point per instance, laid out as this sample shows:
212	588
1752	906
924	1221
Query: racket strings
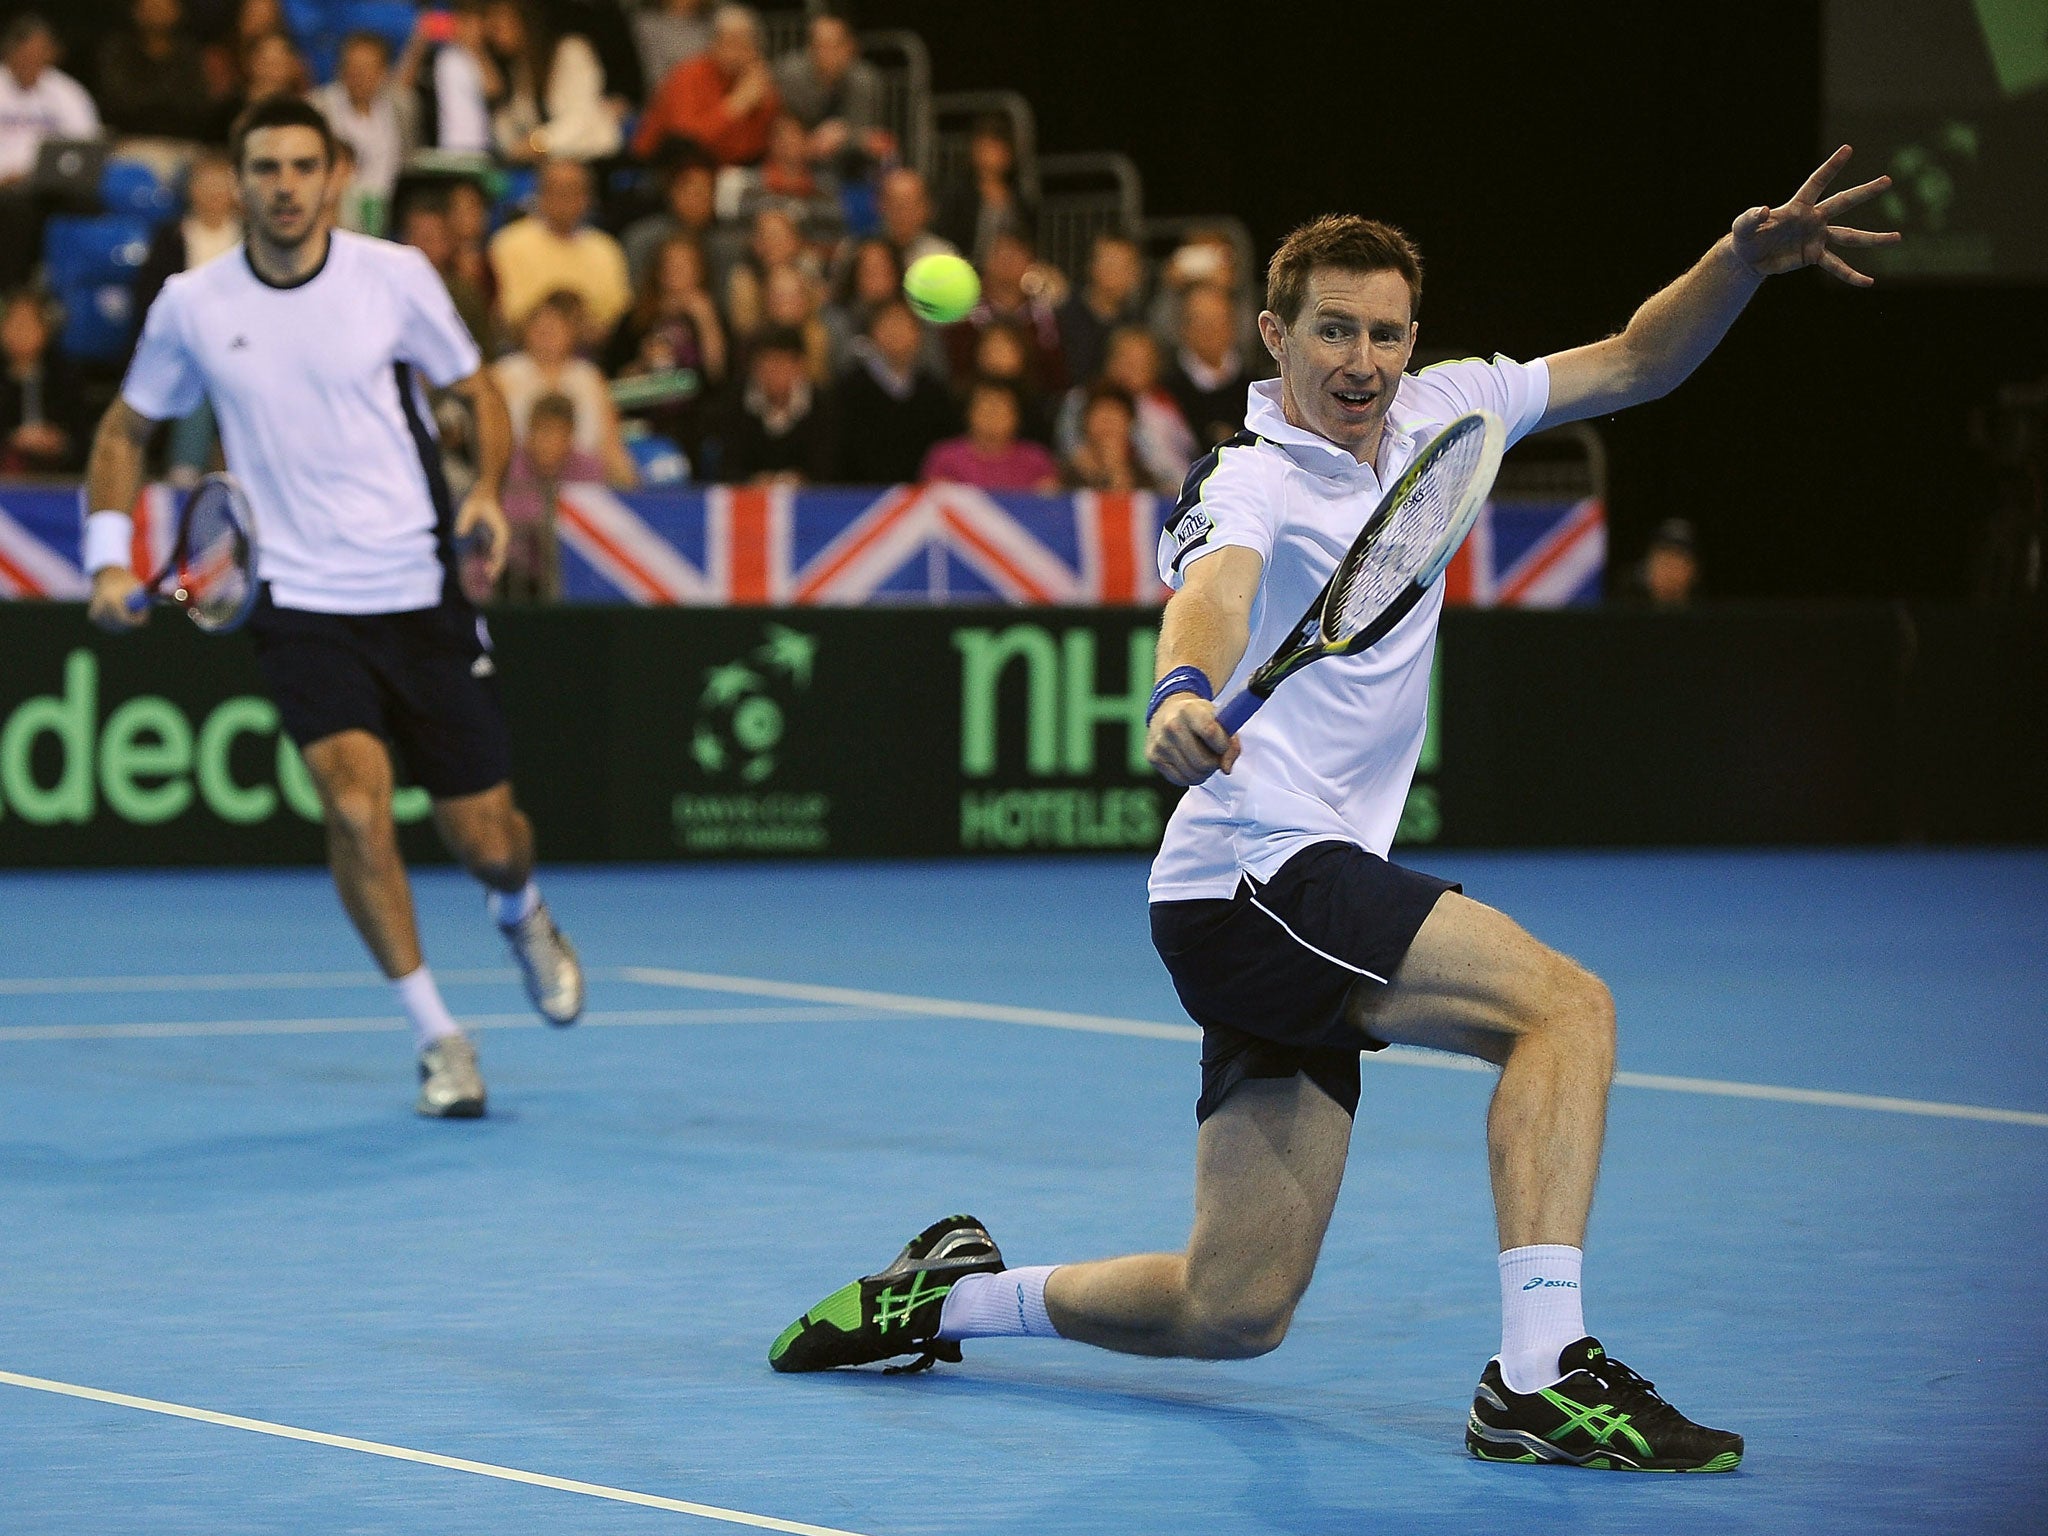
214	579
1413	531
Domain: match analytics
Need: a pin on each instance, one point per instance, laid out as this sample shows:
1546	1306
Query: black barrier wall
734	733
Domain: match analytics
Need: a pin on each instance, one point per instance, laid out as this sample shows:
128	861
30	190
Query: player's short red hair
1344	241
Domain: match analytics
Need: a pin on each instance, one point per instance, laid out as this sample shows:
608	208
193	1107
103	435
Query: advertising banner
637	734
723	733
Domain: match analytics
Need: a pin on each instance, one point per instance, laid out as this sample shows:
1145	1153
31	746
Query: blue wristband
1180	680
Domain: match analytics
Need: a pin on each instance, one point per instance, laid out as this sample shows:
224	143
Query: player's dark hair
279	112
1350	244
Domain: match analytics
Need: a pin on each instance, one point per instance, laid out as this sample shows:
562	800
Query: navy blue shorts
1266	973
424	681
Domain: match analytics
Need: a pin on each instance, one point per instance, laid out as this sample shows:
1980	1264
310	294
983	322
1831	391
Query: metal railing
906	70
1567	463
954	114
1082	196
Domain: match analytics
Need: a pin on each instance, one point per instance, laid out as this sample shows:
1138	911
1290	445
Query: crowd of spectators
656	232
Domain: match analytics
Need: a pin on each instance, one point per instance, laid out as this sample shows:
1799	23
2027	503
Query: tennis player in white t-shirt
314	346
1291	939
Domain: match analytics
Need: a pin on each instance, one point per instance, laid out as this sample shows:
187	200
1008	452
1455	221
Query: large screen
1950	97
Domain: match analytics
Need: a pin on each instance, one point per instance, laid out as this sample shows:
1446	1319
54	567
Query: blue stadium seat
129	186
99	317
306	19
392	20
515	201
661	460
105	248
323	55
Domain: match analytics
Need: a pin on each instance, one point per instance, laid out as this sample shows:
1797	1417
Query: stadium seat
129	186
392	20
306	19
515	199
105	248
98	319
323	56
661	459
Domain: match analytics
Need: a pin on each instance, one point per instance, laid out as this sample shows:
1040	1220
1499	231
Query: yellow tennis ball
941	289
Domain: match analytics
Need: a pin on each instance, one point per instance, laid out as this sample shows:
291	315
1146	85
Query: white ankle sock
430	1017
509	908
1540	1312
1009	1305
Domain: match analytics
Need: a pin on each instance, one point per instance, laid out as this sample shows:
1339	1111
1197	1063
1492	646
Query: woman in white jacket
548	95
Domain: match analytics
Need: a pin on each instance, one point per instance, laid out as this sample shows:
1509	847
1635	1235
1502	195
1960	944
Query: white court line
194	1029
899	1002
1046	1018
424	1458
869	1003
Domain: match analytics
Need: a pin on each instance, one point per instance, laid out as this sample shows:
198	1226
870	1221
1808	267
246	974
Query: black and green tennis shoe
1601	1415
895	1312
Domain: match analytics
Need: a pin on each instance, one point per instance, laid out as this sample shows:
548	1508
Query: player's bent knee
1238	1333
1575	1005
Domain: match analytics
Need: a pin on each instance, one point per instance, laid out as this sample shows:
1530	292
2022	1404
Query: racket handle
1236	711
137	600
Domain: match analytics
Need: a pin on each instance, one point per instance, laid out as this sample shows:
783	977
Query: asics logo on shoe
1539	1282
893	1307
1600	1422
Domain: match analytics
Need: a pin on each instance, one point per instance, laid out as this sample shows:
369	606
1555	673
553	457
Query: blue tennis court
217	1199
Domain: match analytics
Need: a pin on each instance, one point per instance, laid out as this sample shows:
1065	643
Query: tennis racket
212	570
1400	552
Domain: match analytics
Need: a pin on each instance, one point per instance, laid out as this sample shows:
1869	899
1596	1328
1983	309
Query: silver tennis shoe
554	976
451	1088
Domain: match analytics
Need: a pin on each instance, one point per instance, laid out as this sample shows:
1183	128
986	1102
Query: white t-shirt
521	382
55	107
1330	755
376	136
321	412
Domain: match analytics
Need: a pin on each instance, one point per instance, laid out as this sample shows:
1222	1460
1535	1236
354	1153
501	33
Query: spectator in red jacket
723	100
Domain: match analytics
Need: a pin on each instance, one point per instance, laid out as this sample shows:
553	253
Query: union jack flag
1531	554
911	544
937	543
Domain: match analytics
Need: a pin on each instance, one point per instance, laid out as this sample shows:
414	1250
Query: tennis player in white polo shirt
313	345
1291	939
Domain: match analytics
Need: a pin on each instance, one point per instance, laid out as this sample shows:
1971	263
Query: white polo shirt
1330	755
322	415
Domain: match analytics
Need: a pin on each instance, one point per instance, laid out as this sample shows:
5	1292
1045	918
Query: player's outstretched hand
111	586
1799	233
481	532
1185	743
